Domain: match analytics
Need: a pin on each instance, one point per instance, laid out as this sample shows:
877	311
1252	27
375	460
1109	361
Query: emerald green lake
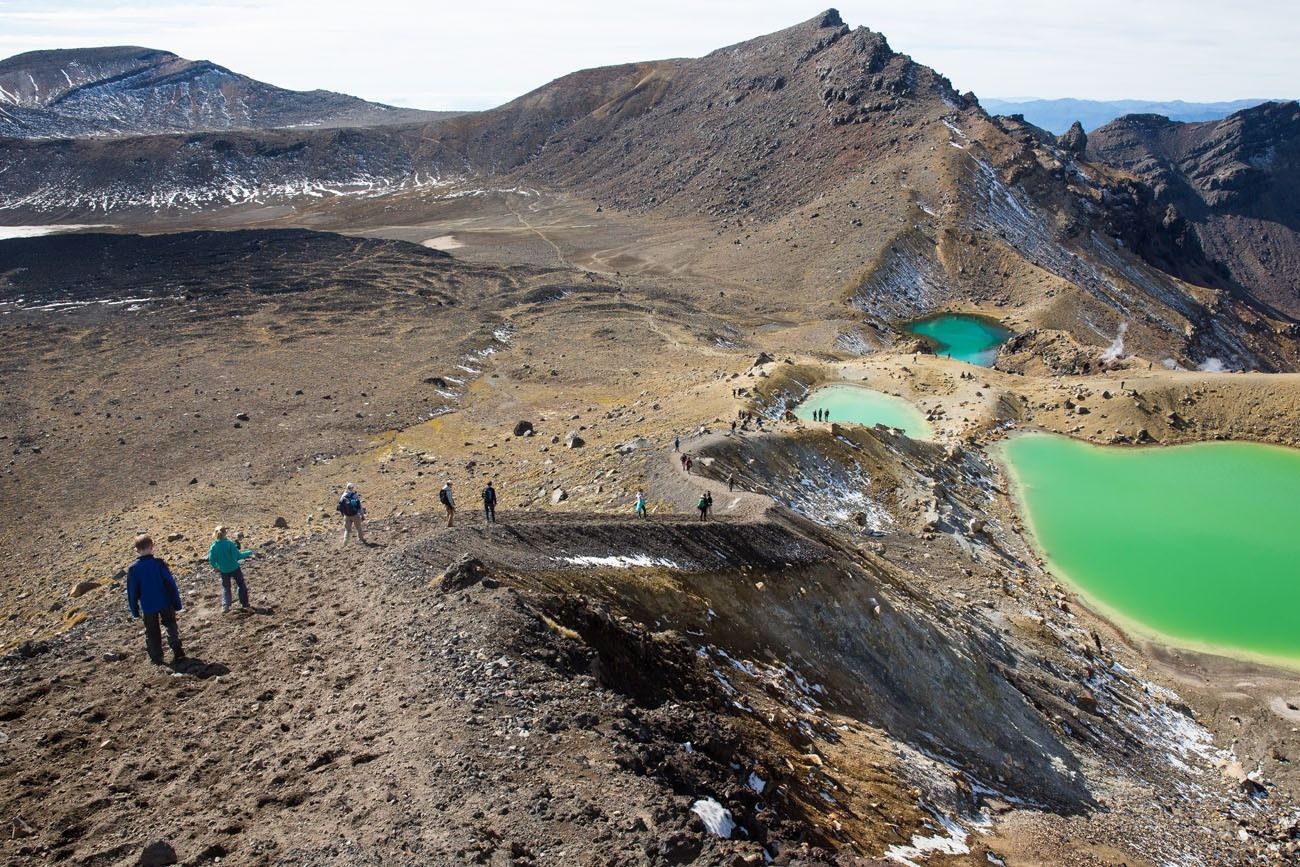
854	404
1198	543
972	339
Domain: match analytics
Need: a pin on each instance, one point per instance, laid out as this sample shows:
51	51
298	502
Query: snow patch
716	818
622	561
951	842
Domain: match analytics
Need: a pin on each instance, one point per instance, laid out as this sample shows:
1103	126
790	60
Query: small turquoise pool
853	404
973	339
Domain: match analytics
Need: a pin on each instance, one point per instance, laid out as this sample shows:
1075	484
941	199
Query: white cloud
471	55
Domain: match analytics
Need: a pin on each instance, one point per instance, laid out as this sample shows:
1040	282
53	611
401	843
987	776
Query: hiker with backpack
703	505
490	503
640	503
151	592
448	502
224	556
353	514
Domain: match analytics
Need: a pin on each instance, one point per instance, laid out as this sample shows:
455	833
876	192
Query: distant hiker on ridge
731	482
151	592
703	505
677	443
448	502
490	503
353	514
640	503
224	556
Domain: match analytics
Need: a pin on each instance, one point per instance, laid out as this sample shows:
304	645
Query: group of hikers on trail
821	415
153	594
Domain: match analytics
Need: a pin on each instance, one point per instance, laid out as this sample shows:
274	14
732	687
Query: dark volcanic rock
1074	140
1231	185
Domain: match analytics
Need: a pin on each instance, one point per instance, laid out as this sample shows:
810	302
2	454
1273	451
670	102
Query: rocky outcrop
1230	185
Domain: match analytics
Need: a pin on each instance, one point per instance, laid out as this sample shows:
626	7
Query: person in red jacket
151	592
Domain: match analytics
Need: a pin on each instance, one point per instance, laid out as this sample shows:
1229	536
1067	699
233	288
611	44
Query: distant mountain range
1056	115
126	90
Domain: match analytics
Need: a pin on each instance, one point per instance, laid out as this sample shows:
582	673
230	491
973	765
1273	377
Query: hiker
224	556
448	502
640	503
353	513
703	505
733	427
490	503
677	443
690	462
731	482
708	502
151	592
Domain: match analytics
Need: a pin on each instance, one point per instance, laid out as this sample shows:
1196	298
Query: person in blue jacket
151	592
225	557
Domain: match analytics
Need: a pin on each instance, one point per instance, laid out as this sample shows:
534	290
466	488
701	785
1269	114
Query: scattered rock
175	537
281	523
82	588
574	441
241	416
559	495
524	429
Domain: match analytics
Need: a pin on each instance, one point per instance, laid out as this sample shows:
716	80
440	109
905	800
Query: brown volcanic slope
127	90
1234	184
814	166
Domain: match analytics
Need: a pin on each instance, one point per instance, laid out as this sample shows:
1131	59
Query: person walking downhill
703	505
448	502
353	514
731	481
640	503
708	503
677	443
151	592
224	556
490	504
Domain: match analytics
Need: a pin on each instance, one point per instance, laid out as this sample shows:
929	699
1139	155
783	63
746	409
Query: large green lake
1198	543
854	404
972	339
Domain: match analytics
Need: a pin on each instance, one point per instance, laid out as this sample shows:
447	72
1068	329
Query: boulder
559	495
763	358
158	854
464	572
523	429
175	537
281	523
574	441
82	588
241	416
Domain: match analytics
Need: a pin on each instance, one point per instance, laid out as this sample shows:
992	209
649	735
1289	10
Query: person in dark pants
490	503
151	592
225	557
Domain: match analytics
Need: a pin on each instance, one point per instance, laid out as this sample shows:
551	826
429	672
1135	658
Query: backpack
442	497
349	505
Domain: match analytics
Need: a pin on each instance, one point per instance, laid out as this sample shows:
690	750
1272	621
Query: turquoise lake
972	339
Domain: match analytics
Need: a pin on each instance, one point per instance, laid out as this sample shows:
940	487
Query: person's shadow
196	667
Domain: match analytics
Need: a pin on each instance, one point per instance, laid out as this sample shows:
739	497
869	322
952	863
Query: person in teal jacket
224	555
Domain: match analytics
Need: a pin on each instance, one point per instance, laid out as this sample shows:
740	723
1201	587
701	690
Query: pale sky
479	53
